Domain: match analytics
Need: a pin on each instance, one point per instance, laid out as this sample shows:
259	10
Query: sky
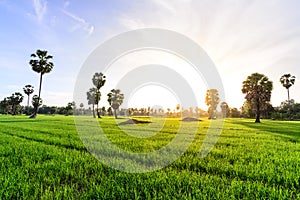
241	37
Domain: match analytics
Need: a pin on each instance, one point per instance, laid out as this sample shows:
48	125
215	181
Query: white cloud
80	23
66	4
40	7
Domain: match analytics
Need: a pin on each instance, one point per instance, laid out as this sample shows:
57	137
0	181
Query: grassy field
44	158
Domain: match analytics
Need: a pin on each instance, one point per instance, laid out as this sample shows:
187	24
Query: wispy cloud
66	4
40	7
80	23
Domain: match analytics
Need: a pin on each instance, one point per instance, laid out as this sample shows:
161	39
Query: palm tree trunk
28	105
37	107
93	107
98	113
257	120
289	104
115	113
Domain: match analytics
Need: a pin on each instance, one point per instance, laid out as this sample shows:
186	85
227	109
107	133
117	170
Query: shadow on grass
283	128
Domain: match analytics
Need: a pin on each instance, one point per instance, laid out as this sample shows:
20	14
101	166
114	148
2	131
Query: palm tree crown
258	89
40	62
28	90
115	99
287	80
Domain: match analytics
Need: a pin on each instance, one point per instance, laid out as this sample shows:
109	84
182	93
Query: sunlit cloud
240	37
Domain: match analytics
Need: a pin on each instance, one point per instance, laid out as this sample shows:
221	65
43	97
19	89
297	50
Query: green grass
44	158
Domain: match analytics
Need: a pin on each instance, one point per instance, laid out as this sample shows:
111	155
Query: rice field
45	158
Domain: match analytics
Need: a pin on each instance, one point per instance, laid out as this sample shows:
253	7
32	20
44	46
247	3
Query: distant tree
15	100
212	100
115	99
191	113
235	113
248	110
4	106
225	109
98	80
81	108
70	107
258	89
93	97
41	64
287	80
109	111
36	101
103	111
28	90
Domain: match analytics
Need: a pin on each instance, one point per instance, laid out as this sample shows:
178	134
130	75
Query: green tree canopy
212	100
115	99
225	109
36	101
258	89
15	100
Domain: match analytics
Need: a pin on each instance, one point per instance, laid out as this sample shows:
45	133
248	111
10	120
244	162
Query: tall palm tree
41	64
258	89
287	80
98	81
115	99
28	90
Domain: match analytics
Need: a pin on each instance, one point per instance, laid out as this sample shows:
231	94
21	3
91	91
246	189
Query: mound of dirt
190	119
134	121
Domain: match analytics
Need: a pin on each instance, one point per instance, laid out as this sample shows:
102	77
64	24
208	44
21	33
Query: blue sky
240	36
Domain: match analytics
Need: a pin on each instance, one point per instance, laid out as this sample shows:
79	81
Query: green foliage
258	89
212	100
225	109
36	101
14	101
45	159
115	99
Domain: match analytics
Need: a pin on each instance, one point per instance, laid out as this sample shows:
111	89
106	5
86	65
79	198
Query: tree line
257	89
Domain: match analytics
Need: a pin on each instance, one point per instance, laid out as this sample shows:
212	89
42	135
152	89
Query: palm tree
225	109
15	100
93	97
41	64
287	80
98	81
115	99
28	89
212	100
258	89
